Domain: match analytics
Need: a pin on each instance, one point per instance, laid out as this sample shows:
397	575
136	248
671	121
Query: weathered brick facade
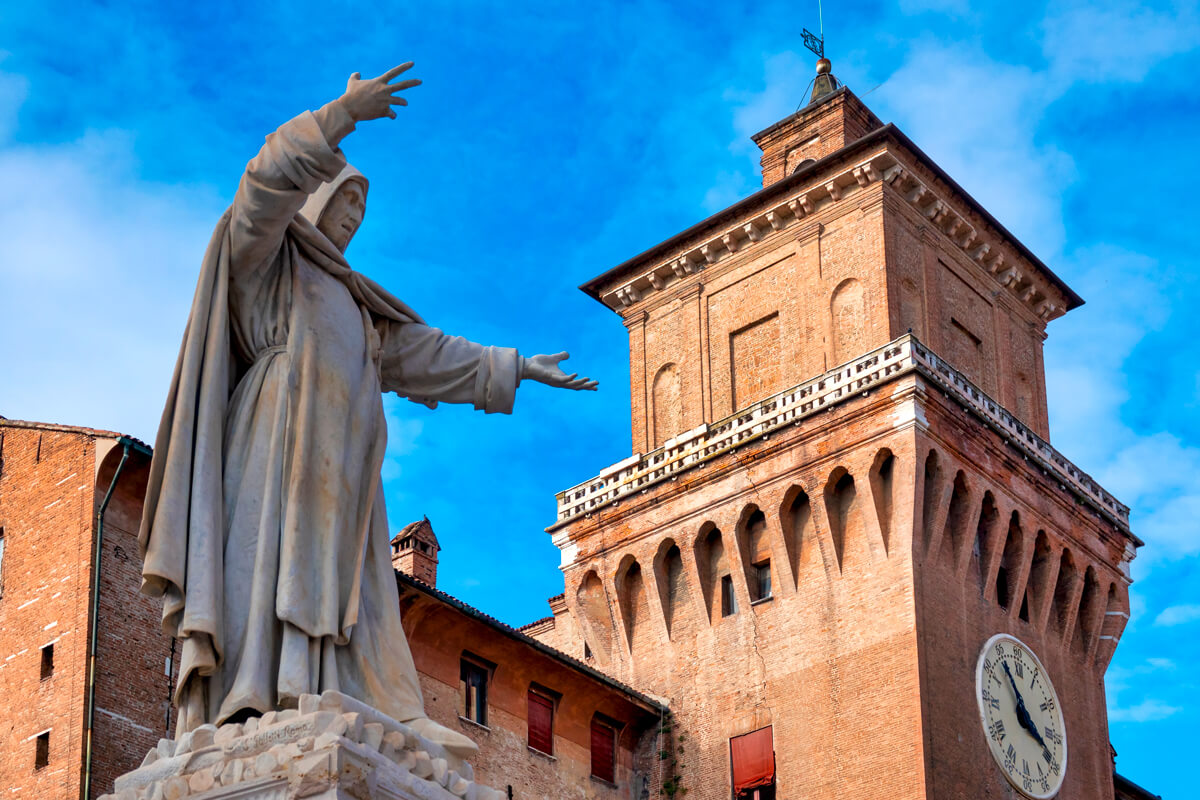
53	484
901	498
443	632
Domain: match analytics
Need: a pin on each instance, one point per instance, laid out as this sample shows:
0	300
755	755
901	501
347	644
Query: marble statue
264	528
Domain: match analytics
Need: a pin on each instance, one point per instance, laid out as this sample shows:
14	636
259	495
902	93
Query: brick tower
70	505
842	486
415	549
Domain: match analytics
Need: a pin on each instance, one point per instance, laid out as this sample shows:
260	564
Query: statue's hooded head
337	207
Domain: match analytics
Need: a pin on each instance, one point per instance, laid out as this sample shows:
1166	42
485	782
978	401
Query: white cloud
1178	615
1146	711
98	268
1115	41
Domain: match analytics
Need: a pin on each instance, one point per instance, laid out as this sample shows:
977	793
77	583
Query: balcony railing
904	355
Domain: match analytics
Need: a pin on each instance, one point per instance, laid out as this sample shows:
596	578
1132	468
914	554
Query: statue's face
344	214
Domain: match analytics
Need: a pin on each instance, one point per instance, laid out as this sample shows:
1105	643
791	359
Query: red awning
753	758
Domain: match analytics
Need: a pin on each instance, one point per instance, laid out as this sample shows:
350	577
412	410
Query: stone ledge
332	746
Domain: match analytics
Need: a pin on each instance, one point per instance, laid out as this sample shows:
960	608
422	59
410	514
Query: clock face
1021	717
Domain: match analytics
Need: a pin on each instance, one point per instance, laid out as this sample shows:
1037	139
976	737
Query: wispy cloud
1178	615
1145	711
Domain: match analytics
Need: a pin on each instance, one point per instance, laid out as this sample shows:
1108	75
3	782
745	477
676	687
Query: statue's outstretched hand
374	98
545	369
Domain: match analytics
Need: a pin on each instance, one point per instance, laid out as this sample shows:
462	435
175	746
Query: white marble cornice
754	226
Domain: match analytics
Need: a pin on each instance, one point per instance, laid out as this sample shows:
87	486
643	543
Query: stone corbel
683	266
1010	277
834	190
981	252
628	295
968	238
775	220
1029	292
936	212
753	232
896	175
709	251
730	241
1045	309
806	203
917	194
656	280
861	175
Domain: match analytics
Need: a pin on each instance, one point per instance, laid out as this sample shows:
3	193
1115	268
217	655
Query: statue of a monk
264	527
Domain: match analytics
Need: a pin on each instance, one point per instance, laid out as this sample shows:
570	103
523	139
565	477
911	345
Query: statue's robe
264	527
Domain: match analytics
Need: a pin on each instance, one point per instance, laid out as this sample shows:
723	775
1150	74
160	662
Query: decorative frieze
696	447
1031	289
724	243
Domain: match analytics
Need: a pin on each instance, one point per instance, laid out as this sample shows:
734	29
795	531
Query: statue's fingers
391	114
397	101
563	356
394	71
571	377
402	85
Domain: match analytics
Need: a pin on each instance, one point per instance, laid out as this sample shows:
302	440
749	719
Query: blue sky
551	141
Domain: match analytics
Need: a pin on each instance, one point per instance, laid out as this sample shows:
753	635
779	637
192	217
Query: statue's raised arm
265	529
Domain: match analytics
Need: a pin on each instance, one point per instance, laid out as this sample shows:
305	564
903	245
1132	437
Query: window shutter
603	751
541	723
753	757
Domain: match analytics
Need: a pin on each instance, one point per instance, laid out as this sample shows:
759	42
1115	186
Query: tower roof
421	530
825	83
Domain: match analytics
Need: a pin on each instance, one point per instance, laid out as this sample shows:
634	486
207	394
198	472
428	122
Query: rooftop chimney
415	549
833	118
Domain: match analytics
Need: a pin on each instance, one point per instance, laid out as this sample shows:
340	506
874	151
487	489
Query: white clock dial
1021	717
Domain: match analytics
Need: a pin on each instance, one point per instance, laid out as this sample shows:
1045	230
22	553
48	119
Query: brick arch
882	479
712	564
1116	616
1062	616
1087	619
666	414
632	599
796	522
1008	571
843	509
931	497
982	544
956	534
846	313
595	615
1042	570
674	593
754	546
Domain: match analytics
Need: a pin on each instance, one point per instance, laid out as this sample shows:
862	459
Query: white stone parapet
904	355
332	747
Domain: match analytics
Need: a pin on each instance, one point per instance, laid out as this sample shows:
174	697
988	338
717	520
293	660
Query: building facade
842	492
70	504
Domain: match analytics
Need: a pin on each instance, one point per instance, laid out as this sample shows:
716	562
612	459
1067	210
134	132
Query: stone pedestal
332	746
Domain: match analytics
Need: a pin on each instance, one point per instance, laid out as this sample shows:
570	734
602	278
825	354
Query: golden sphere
824	66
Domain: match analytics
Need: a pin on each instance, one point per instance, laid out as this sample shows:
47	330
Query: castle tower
415	549
842	491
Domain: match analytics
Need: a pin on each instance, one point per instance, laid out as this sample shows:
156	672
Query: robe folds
264	528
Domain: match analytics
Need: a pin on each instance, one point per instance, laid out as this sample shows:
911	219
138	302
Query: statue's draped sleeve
428	366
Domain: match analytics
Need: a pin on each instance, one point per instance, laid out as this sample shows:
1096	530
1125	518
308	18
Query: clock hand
1023	717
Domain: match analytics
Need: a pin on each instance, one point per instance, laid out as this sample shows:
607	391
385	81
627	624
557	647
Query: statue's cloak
264	528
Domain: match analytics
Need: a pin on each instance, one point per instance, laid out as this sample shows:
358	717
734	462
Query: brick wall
439	635
46	508
52	483
863	660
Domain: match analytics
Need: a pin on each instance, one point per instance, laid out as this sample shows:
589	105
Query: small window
762	575
728	598
752	758
541	722
1002	587
47	661
604	751
41	756
473	683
